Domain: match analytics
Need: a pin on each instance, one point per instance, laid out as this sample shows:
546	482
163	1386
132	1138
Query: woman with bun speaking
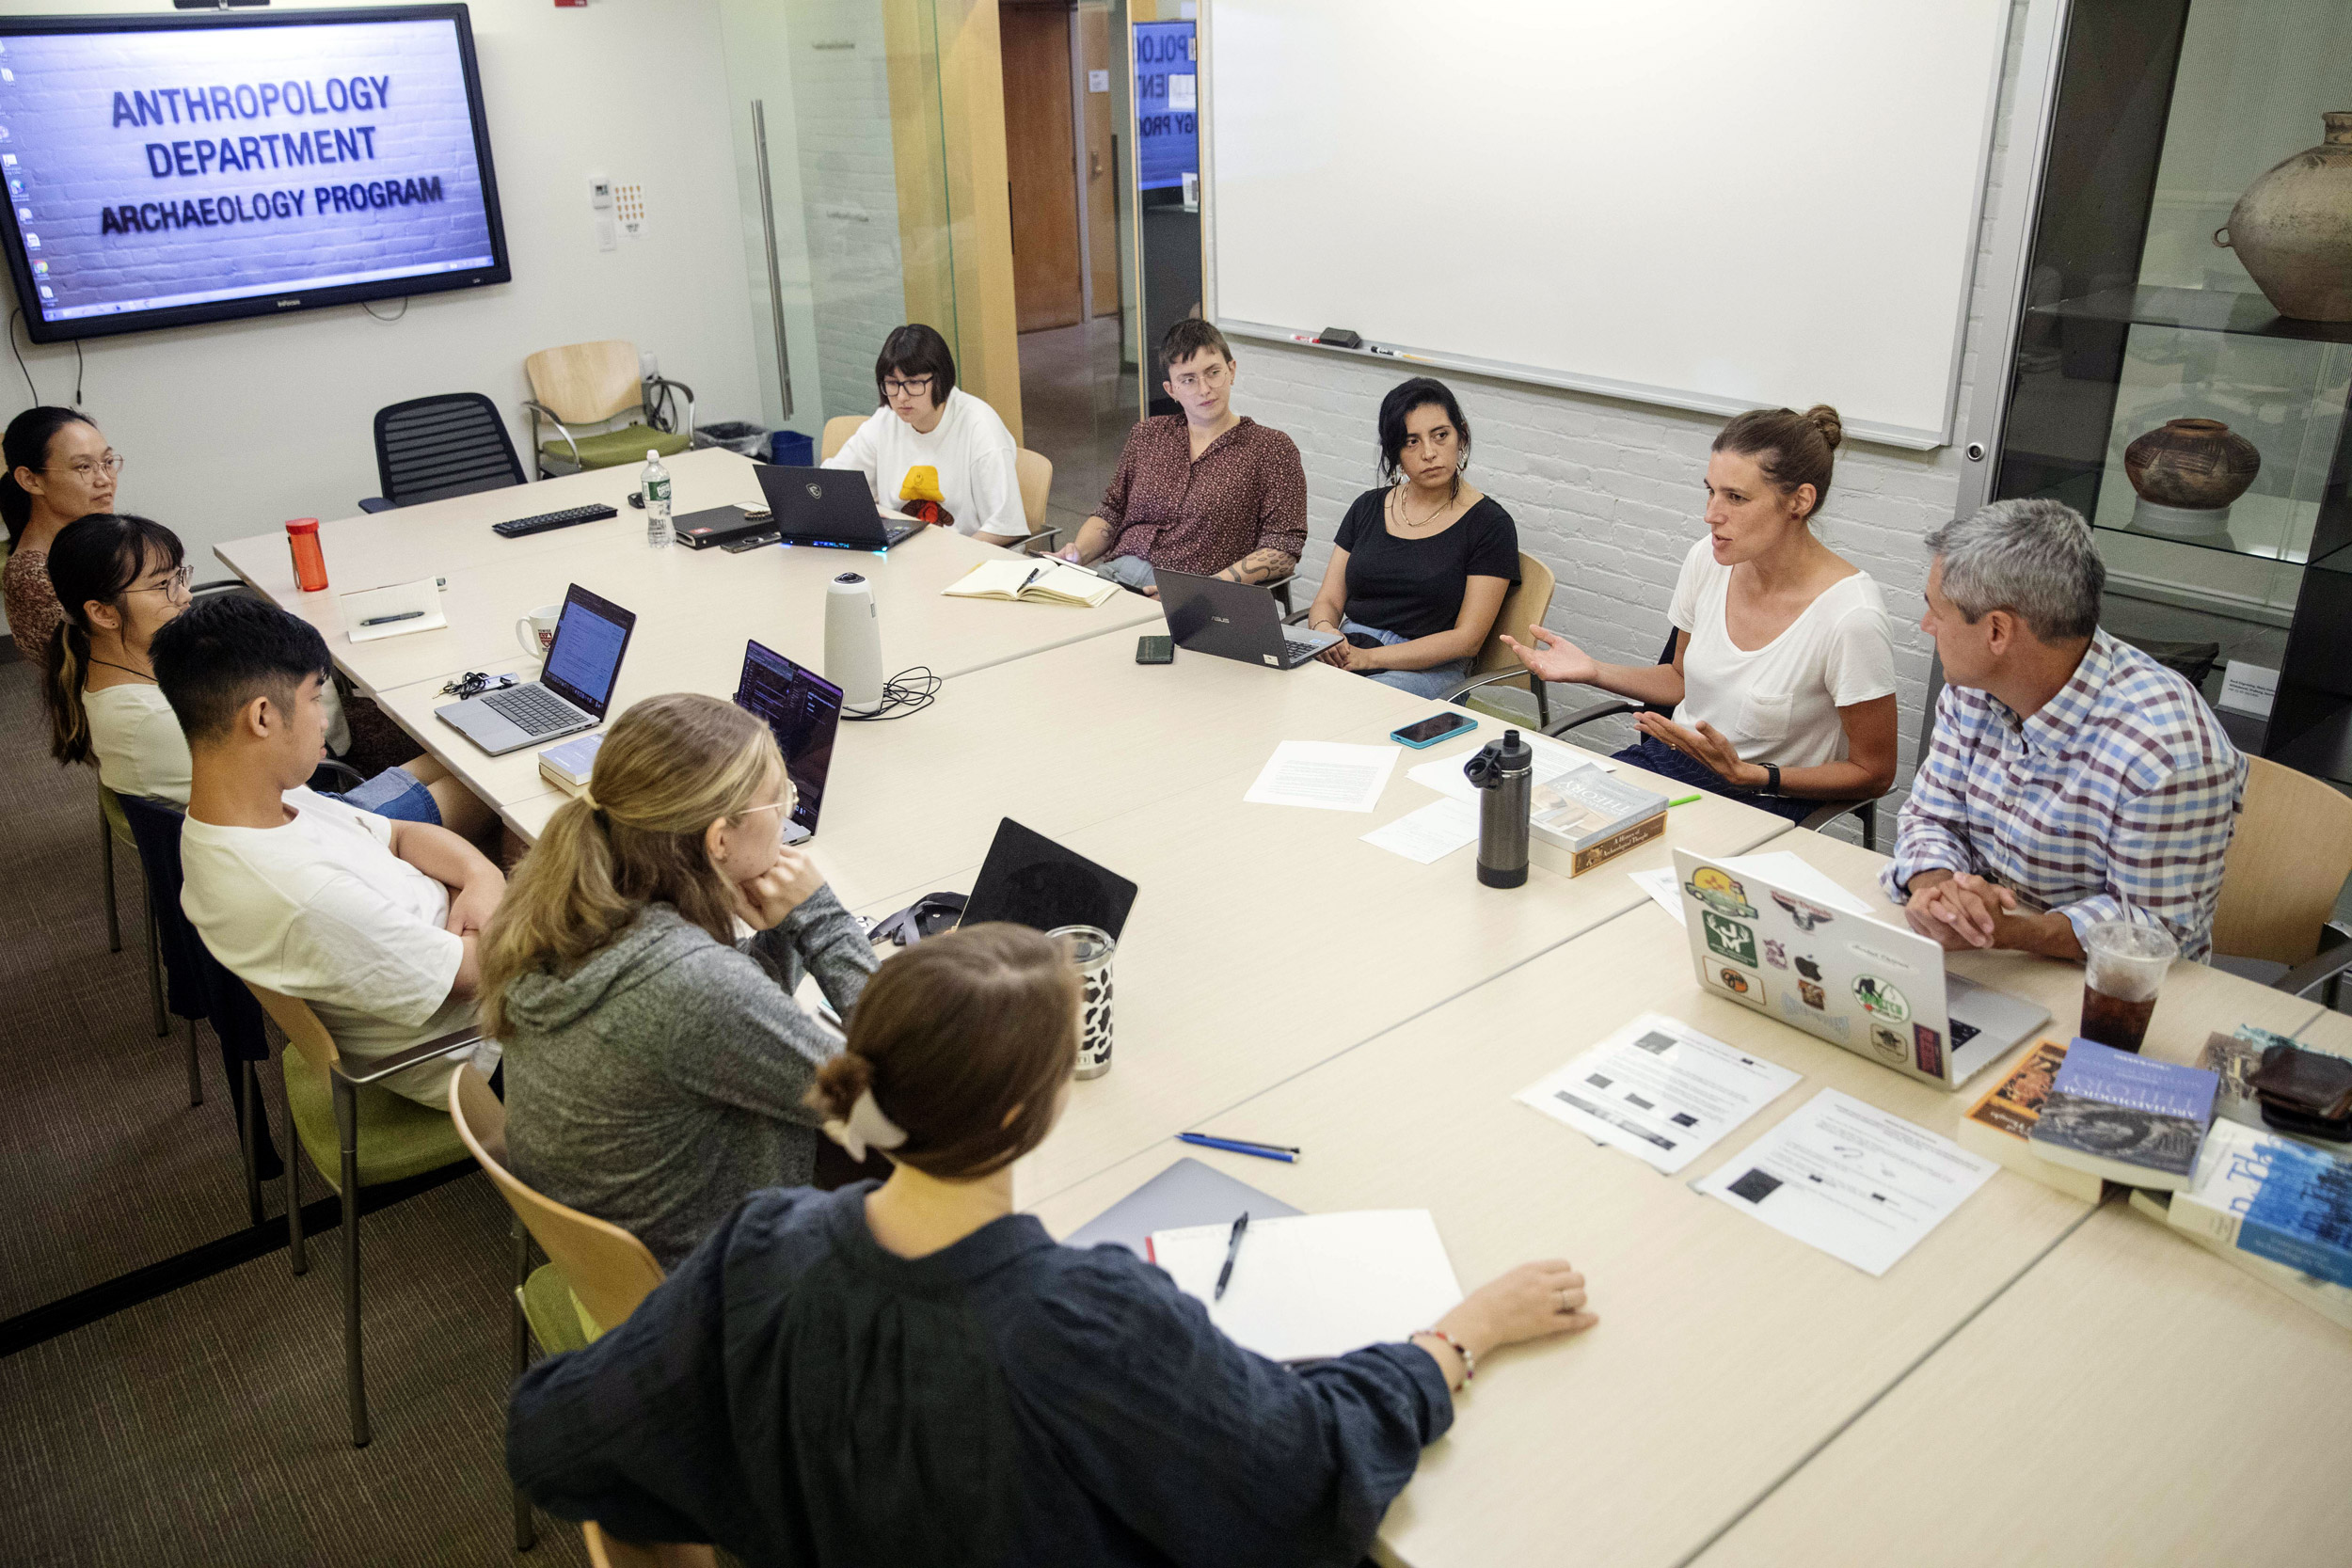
1783	676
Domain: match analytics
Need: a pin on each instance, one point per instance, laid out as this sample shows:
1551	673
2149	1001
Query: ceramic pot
2292	229
2197	463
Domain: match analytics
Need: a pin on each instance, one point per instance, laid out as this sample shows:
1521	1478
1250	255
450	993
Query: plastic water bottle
655	483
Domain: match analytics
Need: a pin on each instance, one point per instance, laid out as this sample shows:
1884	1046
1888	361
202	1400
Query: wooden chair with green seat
359	1134
592	384
2287	868
595	1273
1523	607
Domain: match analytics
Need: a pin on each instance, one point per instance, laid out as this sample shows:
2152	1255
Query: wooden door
1040	154
1101	160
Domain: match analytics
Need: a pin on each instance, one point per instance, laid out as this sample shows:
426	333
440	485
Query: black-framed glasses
86	468
906	389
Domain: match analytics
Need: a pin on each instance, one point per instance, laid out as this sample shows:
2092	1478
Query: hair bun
1824	419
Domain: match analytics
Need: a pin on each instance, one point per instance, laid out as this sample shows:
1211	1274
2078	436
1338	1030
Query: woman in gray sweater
656	1065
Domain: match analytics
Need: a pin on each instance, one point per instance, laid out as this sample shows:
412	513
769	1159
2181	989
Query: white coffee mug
536	630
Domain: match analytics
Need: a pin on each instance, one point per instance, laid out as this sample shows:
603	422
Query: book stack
2124	1117
2000	1124
1586	816
568	766
2277	1208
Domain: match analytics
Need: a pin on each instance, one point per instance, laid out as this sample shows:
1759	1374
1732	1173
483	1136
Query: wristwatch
1771	778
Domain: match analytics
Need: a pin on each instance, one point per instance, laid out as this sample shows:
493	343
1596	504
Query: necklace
1444	507
110	664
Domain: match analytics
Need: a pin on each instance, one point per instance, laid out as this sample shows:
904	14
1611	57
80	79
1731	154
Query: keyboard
1962	1033
569	518
532	709
1302	649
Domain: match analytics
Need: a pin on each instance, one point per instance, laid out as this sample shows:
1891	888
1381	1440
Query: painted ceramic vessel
2199	464
2292	229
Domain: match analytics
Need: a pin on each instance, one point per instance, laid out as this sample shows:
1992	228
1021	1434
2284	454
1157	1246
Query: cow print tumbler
1090	949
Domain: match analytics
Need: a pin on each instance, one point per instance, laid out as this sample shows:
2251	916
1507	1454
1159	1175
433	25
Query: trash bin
734	434
791	450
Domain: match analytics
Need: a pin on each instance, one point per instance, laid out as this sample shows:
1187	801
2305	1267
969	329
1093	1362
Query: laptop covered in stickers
1879	990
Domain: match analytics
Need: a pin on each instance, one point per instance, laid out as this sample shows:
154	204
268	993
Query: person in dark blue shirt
911	1373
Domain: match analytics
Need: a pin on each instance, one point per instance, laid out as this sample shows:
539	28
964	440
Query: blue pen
1236	1145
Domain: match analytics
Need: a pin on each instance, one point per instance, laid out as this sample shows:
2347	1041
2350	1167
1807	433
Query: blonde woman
656	1067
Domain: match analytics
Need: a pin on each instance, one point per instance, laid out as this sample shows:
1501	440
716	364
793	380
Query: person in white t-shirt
374	922
120	579
932	441
1783	676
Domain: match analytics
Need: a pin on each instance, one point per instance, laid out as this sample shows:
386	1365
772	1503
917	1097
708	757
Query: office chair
1524	608
430	449
586	384
595	1273
2286	867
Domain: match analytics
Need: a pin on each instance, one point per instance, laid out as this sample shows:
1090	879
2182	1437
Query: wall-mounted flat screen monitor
198	166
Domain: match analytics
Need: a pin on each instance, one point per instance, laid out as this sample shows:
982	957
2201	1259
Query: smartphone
1156	650
1429	731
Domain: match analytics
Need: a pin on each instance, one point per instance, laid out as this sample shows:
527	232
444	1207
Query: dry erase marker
1233	1250
1283	1152
387	620
1684	801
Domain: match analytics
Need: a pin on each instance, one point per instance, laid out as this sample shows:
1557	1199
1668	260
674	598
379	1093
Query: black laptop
804	710
1030	880
833	507
1233	620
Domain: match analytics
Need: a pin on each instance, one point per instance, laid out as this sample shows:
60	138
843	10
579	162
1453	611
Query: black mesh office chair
1865	812
430	449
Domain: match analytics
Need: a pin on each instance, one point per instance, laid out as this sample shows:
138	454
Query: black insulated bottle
1503	770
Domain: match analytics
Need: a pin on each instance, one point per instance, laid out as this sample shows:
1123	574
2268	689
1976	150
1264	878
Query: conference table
1282	979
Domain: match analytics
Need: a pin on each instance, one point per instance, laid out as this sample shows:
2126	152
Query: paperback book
2332	1302
1592	817
2124	1117
2274	1197
567	765
1999	1123
2232	1059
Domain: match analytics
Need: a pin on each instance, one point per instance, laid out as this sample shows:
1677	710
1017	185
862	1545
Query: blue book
2275	1199
2126	1118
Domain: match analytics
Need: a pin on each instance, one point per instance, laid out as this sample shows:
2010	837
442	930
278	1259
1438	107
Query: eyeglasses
1193	381
908	388
176	585
86	469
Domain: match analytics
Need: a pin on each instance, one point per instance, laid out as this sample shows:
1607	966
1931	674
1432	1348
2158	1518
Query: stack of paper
1317	1284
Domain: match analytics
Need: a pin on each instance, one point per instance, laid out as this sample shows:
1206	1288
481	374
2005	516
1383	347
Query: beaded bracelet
1470	1362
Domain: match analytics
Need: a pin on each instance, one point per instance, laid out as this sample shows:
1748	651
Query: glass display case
2184	362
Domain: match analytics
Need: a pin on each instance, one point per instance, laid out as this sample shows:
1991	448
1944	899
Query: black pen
387	620
1025	581
1233	1250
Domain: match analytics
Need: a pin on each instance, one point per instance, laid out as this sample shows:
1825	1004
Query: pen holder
1090	950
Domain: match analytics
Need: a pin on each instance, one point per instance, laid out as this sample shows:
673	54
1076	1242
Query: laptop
573	690
1030	880
832	507
1233	620
804	710
1878	991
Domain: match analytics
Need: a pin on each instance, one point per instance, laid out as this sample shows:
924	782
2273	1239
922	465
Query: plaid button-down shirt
2115	801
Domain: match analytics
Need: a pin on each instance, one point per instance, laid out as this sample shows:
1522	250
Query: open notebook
1317	1284
1047	581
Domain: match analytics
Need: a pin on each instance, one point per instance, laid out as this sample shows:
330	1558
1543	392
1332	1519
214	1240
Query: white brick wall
1609	494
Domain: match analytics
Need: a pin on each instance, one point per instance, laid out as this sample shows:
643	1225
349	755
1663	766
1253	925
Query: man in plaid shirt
2071	779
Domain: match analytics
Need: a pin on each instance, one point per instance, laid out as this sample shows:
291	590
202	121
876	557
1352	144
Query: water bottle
655	483
1503	772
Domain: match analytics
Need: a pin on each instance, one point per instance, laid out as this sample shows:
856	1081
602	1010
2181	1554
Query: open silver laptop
573	690
1879	990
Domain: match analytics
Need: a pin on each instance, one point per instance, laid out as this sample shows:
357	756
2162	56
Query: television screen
178	168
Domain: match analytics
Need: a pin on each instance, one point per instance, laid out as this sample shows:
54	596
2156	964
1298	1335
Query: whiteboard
1711	204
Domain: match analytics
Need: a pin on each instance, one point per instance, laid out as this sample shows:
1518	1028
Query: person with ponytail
119	580
910	1372
657	1066
1783	676
59	468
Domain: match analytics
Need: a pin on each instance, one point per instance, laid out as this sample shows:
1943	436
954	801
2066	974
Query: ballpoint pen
1233	1250
387	620
1283	1152
1025	581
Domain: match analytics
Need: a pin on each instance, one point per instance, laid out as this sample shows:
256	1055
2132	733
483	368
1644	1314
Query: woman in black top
915	1374
1421	565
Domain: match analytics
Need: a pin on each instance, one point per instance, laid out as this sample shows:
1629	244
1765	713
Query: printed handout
1430	833
1659	1090
1324	774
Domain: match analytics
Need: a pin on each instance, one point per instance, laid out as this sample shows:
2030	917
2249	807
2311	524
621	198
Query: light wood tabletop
691	605
1727	1351
2132	1401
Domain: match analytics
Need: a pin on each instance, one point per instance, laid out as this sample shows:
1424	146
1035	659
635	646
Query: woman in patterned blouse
59	468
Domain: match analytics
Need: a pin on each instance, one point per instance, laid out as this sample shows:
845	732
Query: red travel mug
302	538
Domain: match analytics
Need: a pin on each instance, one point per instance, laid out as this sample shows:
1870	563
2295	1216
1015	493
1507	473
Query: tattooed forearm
1262	567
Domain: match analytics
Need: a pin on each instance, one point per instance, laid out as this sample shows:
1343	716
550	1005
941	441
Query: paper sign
1098	81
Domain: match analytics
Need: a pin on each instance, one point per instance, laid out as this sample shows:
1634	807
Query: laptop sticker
1806	915
1881	1000
1729	939
1775	953
1882	958
1814	996
1834	1022
1886	1043
1809	967
1930	1044
1719	892
1747	987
